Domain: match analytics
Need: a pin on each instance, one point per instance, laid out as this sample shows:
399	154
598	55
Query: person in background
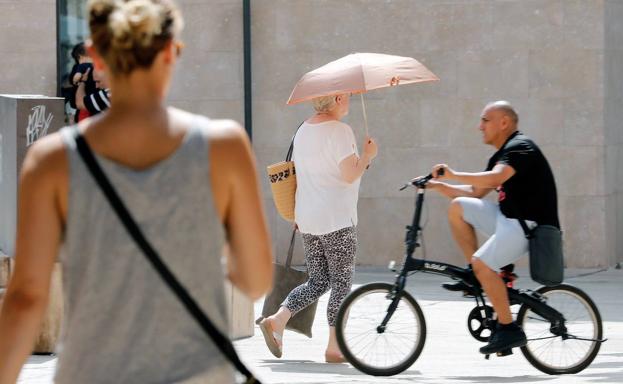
81	74
328	172
97	101
520	174
190	183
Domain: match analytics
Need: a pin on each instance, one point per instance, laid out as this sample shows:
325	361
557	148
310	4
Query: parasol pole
365	117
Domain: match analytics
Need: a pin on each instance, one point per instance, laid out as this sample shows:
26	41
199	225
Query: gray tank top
122	324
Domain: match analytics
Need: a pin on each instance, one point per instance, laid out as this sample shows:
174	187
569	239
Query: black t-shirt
89	85
530	193
82	68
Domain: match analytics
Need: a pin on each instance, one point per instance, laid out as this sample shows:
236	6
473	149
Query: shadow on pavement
608	364
605	377
309	366
611	354
498	379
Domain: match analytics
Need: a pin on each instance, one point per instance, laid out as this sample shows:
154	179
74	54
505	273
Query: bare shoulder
215	129
180	115
230	149
231	160
226	130
46	158
228	141
225	135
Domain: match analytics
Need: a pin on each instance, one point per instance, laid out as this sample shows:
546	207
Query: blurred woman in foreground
190	184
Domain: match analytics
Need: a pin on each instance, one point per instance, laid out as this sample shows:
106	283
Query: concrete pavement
450	354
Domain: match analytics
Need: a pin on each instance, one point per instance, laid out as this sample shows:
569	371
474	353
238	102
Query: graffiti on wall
38	124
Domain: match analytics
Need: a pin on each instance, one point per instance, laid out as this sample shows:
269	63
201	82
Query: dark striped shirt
97	102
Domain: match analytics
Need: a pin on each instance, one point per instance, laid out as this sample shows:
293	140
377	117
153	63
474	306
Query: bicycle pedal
504	352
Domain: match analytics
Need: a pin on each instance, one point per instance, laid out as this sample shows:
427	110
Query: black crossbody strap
220	340
291	149
291	249
522	222
527	232
525	228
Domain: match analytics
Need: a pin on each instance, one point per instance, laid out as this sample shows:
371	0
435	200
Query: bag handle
291	249
291	149
220	340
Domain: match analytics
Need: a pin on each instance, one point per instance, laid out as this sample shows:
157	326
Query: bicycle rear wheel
556	350
368	347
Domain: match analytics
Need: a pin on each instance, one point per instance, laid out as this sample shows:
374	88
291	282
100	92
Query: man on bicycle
521	175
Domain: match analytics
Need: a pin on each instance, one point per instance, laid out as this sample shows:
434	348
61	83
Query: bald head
497	122
506	108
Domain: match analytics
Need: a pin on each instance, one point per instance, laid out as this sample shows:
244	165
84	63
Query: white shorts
507	242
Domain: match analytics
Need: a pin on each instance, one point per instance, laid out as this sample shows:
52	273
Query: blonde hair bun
129	33
133	23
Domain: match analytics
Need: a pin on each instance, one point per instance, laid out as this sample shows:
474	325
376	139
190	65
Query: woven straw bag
282	178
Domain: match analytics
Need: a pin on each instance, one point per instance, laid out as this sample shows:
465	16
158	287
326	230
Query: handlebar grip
421	183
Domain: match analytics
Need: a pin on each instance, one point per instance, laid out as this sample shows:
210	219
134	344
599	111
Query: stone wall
209	78
28	47
545	56
557	61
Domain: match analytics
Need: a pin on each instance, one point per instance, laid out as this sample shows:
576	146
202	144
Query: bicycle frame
364	345
410	264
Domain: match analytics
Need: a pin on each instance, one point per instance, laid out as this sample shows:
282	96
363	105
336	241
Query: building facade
558	61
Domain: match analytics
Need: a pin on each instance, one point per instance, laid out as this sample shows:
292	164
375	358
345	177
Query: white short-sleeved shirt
324	202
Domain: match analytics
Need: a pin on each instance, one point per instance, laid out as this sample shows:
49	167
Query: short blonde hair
324	103
128	34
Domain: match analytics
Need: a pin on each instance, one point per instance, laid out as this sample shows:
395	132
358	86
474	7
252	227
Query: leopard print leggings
330	262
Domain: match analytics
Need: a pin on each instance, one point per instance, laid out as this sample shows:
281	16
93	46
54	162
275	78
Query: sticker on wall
38	124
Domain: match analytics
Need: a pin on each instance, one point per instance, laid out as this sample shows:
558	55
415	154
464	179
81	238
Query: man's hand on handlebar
442	172
424	181
427	180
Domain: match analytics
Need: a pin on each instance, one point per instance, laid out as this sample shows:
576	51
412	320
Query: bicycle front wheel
562	348
371	348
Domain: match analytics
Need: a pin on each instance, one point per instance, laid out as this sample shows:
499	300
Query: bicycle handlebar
421	182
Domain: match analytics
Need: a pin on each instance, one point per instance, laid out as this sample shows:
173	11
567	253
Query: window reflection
73	29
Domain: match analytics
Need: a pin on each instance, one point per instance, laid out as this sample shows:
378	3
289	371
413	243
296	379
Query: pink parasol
359	73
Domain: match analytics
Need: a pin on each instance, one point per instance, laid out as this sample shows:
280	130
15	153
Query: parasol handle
365	117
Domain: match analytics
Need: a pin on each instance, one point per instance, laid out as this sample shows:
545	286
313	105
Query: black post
58	49
248	111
